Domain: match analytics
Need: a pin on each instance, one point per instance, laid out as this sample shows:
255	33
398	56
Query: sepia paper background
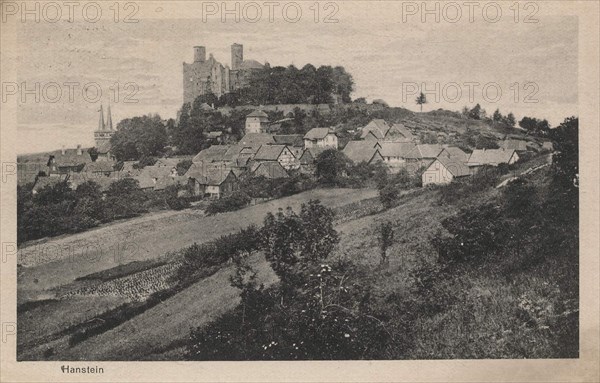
584	369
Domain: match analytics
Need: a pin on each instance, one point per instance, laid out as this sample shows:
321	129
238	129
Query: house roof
250	64
258	113
71	158
256	139
455	166
359	151
396	149
212	154
165	181
425	151
490	156
269	152
378	127
99	166
398	132
209	175
514	144
310	155
271	170
77	179
317	133
289	139
457	153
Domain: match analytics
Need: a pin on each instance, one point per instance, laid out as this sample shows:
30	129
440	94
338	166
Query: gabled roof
209	175
398	132
257	139
490	156
317	133
271	170
258	113
166	181
457	153
269	152
310	155
98	166
289	140
71	158
378	127
396	149
455	166
212	154
425	151
359	151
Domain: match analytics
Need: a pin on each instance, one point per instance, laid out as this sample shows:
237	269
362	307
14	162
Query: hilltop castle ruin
209	76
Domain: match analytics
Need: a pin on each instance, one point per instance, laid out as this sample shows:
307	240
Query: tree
422	99
331	167
497	117
510	120
535	126
139	136
475	112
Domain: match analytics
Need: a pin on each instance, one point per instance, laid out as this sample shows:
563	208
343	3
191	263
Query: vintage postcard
319	191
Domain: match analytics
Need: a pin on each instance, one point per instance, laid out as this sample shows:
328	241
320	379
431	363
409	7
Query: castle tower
199	54
237	56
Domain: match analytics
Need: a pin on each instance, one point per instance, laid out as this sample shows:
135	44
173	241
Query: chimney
199	54
79	151
62	150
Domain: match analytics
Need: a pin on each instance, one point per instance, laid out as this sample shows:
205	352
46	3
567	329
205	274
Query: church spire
101	120
109	124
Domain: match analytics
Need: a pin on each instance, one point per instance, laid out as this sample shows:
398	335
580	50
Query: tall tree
139	136
422	99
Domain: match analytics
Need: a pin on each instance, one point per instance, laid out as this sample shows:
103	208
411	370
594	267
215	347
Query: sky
389	50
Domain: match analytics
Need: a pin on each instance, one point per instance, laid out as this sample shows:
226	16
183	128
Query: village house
374	130
257	122
68	161
444	170
294	142
423	155
491	157
99	169
363	151
455	152
270	170
320	138
398	133
278	153
212	182
308	158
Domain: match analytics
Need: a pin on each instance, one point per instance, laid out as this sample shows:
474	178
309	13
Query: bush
232	202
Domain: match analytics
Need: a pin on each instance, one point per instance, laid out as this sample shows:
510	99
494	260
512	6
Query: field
71	287
489	313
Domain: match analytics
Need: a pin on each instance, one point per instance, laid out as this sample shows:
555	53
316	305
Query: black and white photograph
200	181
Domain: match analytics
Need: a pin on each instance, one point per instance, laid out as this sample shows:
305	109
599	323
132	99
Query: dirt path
55	262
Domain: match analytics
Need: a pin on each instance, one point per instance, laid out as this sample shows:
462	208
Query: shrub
235	201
